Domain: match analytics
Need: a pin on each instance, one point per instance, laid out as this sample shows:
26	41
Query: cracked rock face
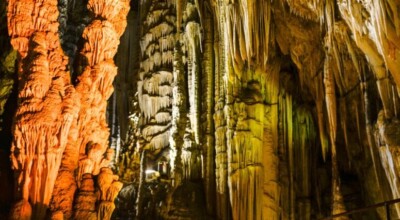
275	109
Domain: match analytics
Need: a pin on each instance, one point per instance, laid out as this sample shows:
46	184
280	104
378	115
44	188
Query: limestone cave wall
215	109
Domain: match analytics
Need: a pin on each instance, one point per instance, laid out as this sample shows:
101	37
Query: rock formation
223	109
57	123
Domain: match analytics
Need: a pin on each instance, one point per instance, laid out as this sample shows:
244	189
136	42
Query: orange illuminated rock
109	189
55	120
21	211
57	215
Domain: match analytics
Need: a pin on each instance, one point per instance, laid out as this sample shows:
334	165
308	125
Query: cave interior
199	109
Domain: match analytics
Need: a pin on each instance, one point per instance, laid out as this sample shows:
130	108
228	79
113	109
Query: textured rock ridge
56	121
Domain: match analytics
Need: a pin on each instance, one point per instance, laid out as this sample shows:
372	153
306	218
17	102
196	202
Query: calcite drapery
245	78
221	169
155	77
243	60
47	103
101	38
45	126
155	88
87	199
262	51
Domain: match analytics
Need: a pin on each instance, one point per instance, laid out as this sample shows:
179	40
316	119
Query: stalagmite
109	188
101	38
139	199
178	118
46	102
86	200
45	128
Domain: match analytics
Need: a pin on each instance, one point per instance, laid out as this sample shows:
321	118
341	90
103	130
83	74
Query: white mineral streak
155	78
192	32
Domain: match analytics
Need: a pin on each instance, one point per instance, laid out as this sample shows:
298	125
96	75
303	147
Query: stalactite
306	9
233	84
249	161
332	60
373	44
248	25
288	105
374	34
208	125
192	35
284	174
270	160
337	203
367	101
320	114
245	31
221	169
343	118
155	77
178	117
191	157
297	137
386	25
304	135
348	49
192	46
46	101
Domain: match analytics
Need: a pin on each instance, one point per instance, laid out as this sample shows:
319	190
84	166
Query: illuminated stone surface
246	109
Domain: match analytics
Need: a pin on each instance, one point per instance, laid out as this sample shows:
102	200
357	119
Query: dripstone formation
191	109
